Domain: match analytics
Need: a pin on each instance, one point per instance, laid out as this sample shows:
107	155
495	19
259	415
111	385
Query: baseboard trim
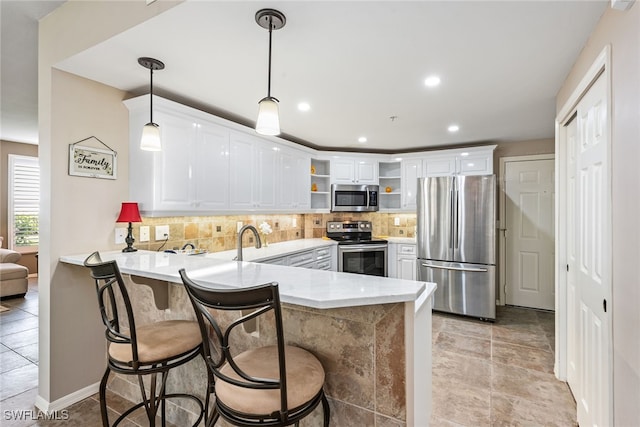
66	401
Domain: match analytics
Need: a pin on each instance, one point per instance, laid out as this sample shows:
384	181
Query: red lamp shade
129	212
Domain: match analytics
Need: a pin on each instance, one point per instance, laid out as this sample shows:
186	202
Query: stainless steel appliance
354	198
358	252
456	242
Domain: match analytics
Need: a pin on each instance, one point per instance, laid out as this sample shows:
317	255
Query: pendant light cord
151	94
269	81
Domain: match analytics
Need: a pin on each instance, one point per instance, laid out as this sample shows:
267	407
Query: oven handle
473	270
354	248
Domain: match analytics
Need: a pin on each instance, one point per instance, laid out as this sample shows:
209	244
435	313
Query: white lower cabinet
402	256
318	259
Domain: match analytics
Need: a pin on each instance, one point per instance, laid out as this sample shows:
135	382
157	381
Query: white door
529	199
572	290
592	258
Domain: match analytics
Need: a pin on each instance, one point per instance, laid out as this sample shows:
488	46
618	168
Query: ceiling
360	66
19	68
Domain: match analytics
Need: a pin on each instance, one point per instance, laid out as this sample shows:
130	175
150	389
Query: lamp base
129	240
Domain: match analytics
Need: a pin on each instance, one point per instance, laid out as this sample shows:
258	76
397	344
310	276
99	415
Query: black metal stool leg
326	410
103	398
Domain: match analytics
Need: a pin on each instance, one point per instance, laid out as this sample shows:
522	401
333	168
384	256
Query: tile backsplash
219	233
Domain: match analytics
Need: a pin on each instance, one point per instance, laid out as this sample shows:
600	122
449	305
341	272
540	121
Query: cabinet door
264	179
294	179
411	171
406	268
366	172
440	166
172	171
241	163
342	171
475	164
211	168
302	198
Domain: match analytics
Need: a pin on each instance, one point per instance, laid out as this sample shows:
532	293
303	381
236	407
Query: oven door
363	259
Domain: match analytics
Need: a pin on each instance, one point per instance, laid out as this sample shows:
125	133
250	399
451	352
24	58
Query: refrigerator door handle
472	270
456	215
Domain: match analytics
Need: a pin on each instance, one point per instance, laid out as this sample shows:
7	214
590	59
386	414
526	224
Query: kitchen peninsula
372	334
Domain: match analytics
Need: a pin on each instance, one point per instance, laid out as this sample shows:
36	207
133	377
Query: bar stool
140	350
275	385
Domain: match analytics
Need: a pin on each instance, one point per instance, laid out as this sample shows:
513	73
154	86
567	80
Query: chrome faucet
239	242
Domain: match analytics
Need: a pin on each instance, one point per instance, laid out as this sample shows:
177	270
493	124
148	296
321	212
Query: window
24	203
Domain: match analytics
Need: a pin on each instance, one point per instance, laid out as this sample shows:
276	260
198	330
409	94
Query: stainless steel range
358	252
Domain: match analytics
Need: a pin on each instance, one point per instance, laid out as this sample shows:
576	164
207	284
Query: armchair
13	277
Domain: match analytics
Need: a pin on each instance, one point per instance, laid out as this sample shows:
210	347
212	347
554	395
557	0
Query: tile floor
484	374
498	374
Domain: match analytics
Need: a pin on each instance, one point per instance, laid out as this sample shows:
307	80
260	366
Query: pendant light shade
268	122
150	140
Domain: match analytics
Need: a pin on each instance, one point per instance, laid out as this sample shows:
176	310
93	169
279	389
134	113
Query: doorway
528	211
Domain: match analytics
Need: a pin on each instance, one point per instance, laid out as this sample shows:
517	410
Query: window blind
24	202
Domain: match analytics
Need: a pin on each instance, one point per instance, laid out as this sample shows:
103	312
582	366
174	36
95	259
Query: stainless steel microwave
354	198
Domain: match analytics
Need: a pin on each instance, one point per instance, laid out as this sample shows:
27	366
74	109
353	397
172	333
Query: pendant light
150	140
268	122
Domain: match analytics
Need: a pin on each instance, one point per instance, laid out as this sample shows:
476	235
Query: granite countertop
274	250
301	286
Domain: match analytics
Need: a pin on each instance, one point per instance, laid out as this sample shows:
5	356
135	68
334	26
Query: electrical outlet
238	226
162	232
396	221
121	233
294	222
144	233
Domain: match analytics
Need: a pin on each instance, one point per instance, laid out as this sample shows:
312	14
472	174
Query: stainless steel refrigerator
456	242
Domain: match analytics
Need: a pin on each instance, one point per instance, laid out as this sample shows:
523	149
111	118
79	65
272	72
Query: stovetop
352	233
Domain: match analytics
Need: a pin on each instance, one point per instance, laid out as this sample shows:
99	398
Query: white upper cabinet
440	165
294	181
472	161
354	171
210	172
209	165
252	179
475	163
411	171
189	174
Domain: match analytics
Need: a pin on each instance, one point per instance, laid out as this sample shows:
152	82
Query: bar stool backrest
110	287
257	301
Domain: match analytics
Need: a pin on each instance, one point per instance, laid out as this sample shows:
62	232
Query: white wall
622	31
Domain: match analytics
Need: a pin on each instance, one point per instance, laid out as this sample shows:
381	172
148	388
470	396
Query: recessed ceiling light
432	81
453	128
362	139
303	106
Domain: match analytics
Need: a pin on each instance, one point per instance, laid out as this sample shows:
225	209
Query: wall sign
92	162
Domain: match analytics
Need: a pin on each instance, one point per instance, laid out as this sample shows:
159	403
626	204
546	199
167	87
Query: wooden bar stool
140	350
275	385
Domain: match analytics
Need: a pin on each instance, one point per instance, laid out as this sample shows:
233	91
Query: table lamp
129	213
